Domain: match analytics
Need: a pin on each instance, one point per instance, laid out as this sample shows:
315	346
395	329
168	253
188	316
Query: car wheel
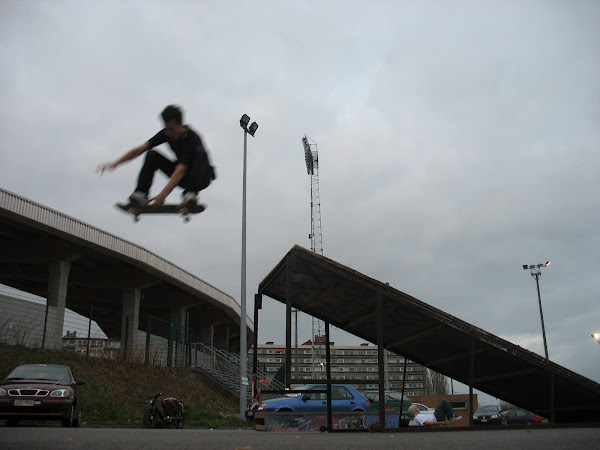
529	422
150	419
68	422
77	419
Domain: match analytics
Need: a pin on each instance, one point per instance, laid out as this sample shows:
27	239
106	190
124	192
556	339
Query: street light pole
536	272
243	336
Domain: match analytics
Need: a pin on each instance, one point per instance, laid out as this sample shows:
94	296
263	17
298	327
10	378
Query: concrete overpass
74	264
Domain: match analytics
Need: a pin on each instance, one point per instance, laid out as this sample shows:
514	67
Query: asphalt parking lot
57	438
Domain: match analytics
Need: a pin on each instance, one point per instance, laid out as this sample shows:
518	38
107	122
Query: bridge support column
129	324
58	278
206	335
177	337
220	336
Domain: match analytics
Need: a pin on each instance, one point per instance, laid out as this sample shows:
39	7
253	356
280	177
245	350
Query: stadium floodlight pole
243	336
536	272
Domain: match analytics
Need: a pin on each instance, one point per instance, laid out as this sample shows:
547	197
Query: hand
159	200
106	167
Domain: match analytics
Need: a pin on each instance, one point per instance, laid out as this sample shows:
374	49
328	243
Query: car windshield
296	394
487	409
46	373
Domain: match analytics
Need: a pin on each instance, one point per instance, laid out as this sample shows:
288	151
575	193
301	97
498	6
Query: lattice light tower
311	156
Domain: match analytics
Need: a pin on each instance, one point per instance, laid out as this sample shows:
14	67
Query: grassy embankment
116	391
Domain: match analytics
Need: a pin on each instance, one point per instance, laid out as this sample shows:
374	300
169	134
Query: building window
459	404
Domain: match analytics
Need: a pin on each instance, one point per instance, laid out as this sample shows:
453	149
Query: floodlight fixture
596	336
535	268
308	156
252	128
244	121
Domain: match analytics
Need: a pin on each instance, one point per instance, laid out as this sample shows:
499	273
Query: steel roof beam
416	337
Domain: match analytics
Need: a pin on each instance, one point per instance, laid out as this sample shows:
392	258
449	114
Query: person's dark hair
172	112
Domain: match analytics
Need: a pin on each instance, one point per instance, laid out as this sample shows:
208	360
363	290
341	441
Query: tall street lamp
243	336
536	272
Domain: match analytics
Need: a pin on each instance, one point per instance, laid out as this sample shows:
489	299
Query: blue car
344	398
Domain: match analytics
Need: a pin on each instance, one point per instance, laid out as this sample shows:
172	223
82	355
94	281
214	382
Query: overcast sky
457	141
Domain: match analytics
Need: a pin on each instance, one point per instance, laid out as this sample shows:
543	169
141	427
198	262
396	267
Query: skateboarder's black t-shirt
184	147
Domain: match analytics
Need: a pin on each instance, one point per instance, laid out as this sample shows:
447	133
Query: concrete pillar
55	307
129	326
219	337
177	338
206	334
178	316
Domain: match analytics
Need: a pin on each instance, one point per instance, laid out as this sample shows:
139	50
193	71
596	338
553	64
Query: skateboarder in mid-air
191	170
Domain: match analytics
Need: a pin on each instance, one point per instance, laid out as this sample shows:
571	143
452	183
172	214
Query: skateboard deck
137	210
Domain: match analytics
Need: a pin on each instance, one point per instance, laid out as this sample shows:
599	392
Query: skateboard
137	210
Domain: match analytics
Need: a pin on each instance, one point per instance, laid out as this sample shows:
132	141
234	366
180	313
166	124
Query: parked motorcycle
168	411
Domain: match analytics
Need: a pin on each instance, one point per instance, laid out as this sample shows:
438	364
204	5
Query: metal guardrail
225	367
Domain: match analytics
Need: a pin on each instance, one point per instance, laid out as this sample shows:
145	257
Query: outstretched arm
131	154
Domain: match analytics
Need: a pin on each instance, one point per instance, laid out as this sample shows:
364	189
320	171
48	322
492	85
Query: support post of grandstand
380	363
328	375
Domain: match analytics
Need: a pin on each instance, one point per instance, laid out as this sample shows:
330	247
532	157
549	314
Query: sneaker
189	199
455	418
139	198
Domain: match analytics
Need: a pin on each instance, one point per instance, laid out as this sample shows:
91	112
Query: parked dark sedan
512	417
488	414
41	392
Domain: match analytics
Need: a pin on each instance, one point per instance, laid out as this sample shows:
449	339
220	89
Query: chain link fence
27	320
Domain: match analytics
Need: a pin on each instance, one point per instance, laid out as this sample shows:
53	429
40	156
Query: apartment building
348	363
107	348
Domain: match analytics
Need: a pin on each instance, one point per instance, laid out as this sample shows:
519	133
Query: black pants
444	410
195	179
